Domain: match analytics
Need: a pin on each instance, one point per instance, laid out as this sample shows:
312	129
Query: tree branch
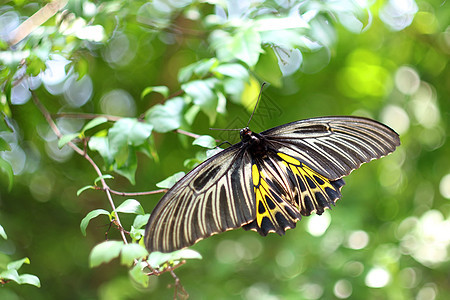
86	116
36	20
58	133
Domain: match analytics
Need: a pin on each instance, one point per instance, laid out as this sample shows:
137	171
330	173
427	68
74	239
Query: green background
392	222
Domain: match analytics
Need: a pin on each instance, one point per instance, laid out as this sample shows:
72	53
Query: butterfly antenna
257	102
225	129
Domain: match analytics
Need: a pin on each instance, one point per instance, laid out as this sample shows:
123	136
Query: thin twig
128	194
58	133
178	285
175	94
138	193
86	116
168	269
188	133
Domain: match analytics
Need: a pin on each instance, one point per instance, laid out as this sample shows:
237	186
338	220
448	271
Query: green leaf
91	215
29	279
127	132
139	133
67	138
7	169
250	93
247	46
81	67
200	68
10	274
106	176
93	123
130	252
15	265
3	233
34	65
186	254
202	94
167	117
88	187
280	23
138	275
162	89
191	114
205	141
5	112
244	44
101	145
156	259
191	163
186	73
128	169
4	145
140	221
266	67
203	67
233	70
104	252
234	88
170	181
131	206
136	234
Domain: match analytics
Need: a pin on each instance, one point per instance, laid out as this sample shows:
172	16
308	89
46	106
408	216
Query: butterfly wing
333	146
305	162
214	197
284	190
299	172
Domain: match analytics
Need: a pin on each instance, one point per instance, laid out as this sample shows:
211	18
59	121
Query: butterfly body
268	180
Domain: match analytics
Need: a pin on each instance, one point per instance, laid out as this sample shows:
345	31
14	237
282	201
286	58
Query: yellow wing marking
262	207
280	215
313	187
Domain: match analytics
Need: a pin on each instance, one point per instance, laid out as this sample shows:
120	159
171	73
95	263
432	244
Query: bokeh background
387	238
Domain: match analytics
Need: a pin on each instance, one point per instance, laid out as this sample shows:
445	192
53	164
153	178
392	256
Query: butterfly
268	180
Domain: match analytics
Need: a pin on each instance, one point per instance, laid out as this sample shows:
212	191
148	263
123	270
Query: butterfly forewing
268	180
333	146
212	198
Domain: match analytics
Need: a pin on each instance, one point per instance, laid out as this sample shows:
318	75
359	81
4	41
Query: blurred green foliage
154	67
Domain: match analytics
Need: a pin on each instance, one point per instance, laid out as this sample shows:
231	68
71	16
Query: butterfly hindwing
315	191
285	189
274	211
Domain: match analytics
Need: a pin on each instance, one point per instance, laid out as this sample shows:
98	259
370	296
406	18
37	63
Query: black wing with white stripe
333	146
214	197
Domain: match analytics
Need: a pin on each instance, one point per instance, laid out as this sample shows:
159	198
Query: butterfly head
254	141
246	134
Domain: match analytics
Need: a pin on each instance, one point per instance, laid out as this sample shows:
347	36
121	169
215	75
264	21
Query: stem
84	154
86	116
168	269
188	133
137	193
127	194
